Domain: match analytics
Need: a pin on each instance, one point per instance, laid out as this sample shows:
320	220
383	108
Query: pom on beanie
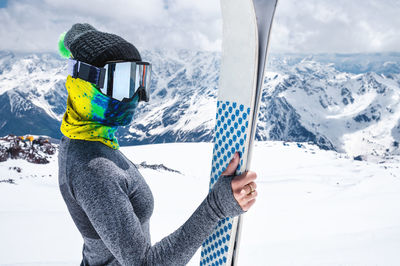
64	52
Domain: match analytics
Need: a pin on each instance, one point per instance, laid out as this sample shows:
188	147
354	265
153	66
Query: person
107	197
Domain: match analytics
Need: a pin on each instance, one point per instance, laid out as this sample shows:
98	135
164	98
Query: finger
231	168
248	205
246	178
251	196
253	185
247	190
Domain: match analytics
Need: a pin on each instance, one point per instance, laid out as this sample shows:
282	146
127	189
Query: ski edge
260	82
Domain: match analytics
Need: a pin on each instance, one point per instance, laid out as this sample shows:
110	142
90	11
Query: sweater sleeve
108	208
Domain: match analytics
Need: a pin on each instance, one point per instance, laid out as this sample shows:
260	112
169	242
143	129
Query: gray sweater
111	205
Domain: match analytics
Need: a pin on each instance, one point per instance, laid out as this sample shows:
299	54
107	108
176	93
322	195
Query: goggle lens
125	79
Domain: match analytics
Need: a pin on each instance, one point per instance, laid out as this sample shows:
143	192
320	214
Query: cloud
314	26
309	26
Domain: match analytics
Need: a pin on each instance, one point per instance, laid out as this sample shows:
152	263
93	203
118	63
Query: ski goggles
120	80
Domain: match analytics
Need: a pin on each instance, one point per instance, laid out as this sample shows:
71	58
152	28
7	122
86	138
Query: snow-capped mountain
32	94
309	100
344	102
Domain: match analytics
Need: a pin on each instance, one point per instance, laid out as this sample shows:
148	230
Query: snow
321	96
35	228
348	102
38	73
314	207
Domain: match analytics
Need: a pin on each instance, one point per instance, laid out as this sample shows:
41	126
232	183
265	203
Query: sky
308	26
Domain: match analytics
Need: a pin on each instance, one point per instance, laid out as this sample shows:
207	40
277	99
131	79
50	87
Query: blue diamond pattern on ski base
230	136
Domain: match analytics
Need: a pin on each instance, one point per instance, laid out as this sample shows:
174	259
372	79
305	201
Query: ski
246	29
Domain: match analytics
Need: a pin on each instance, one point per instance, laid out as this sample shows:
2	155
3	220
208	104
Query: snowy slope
347	103
352	113
315	207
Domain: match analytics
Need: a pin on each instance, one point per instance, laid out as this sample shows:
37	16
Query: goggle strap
87	72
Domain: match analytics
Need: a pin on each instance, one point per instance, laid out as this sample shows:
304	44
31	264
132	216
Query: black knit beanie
96	48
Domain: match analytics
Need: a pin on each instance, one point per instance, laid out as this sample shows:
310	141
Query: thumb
232	166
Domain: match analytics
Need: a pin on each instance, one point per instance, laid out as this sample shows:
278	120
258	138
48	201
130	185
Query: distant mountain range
348	103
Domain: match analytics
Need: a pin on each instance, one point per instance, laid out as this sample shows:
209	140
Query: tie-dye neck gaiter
94	116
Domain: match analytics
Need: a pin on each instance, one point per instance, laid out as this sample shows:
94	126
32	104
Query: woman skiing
107	197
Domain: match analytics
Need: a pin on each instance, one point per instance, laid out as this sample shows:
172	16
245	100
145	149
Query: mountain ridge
307	98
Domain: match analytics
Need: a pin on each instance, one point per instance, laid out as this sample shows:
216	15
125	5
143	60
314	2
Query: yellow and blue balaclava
90	114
